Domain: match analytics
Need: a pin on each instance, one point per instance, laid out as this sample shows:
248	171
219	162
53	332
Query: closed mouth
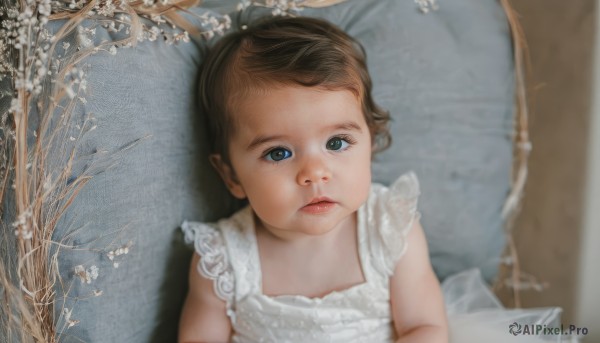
319	205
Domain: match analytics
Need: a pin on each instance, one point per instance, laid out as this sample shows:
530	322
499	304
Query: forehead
295	108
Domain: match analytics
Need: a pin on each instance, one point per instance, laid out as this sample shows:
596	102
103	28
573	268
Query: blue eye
337	143
278	154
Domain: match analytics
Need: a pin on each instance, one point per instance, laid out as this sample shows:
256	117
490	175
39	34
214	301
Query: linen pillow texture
445	76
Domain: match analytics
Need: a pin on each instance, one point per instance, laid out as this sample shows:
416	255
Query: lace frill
398	206
214	263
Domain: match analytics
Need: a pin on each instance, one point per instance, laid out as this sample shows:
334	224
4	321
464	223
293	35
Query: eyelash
347	138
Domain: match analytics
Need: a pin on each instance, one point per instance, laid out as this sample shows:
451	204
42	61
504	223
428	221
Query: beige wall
588	290
560	36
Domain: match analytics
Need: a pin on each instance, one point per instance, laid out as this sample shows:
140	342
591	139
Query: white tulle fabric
360	313
475	314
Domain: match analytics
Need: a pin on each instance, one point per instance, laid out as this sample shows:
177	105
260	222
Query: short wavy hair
280	51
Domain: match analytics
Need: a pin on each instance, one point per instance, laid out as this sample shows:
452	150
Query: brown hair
281	51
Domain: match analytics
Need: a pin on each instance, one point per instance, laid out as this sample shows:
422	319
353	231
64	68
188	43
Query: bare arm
417	302
204	317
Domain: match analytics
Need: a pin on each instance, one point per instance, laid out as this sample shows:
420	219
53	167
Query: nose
313	170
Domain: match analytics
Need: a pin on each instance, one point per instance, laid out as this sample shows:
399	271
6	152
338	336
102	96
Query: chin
314	231
320	226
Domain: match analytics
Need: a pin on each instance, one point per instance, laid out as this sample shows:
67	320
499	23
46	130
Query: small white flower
83	84
21	226
86	276
93	271
15	106
70	92
427	5
67	314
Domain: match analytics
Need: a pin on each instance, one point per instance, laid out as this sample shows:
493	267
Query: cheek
361	160
269	188
362	179
272	198
358	174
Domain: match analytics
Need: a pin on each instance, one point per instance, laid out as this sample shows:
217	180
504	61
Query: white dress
360	313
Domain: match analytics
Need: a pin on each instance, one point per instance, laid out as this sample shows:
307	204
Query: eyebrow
262	139
347	126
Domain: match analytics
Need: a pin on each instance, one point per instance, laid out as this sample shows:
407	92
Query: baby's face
302	158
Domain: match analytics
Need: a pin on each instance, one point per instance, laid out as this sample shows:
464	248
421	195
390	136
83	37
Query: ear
228	175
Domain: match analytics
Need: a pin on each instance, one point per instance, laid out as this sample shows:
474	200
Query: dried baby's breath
427	5
67	317
114	255
279	7
48	78
124	250
86	275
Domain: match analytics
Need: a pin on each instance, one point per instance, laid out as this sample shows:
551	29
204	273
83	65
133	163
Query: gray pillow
446	77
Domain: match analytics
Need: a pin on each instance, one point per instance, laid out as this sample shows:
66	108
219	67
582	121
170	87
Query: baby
320	254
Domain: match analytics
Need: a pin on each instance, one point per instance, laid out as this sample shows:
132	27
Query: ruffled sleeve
214	263
393	212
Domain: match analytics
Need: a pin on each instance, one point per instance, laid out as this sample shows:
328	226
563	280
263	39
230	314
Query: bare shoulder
415	291
204	315
415	260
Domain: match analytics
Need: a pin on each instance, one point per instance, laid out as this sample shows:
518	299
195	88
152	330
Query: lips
319	205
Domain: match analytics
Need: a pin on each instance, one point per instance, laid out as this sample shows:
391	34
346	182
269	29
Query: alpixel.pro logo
537	329
514	328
